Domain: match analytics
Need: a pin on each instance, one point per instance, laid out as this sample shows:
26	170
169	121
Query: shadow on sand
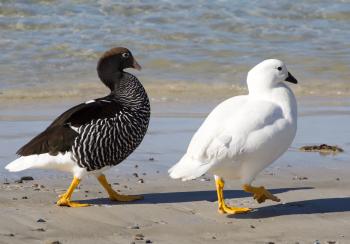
314	206
191	196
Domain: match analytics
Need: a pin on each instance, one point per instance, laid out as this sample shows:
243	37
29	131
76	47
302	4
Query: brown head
112	63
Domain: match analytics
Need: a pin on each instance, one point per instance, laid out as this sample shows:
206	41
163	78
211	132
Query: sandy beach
194	55
176	212
314	189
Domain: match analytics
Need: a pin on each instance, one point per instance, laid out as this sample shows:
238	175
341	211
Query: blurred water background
49	49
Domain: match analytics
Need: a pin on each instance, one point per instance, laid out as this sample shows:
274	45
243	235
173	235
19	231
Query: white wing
227	134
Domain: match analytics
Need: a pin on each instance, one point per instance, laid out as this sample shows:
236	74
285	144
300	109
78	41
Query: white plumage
244	134
61	161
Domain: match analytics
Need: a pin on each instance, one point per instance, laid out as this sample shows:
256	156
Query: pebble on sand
40	229
134	227
139	237
41	220
300	178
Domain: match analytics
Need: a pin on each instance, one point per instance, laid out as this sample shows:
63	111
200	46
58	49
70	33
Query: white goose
244	134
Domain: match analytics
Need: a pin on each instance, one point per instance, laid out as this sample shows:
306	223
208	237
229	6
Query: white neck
281	95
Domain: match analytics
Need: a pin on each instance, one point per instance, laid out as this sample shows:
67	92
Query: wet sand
315	190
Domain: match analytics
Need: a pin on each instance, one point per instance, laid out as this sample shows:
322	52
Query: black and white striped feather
100	133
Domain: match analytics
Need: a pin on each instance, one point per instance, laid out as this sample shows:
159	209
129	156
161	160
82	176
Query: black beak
291	79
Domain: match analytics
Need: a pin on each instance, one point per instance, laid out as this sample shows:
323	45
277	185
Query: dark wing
53	140
59	136
86	112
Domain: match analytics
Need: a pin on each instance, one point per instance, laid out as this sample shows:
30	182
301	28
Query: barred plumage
108	141
96	134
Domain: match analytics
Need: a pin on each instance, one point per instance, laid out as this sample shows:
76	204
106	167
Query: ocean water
49	49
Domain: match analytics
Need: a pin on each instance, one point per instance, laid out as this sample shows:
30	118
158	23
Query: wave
166	91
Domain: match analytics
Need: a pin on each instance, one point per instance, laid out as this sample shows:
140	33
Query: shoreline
176	122
167	92
313	188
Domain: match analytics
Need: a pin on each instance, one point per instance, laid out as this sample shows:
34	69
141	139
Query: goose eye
125	55
279	68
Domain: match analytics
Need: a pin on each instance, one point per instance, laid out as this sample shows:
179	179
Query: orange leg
65	198
260	194
223	208
113	195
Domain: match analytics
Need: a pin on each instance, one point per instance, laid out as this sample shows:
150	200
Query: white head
268	74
